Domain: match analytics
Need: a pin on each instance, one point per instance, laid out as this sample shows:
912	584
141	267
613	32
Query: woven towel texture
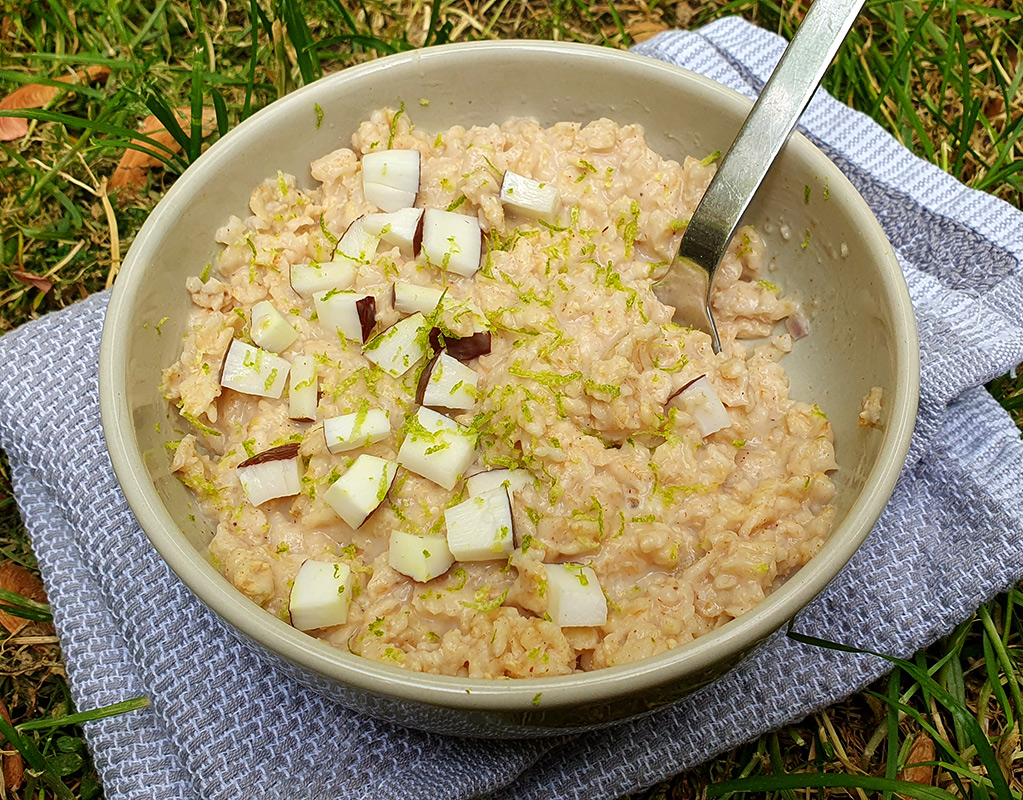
221	725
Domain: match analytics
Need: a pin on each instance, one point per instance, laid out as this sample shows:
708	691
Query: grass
943	77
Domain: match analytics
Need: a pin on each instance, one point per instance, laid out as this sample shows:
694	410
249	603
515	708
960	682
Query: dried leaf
131	169
921	751
36	95
13	766
33	281
644	29
15	578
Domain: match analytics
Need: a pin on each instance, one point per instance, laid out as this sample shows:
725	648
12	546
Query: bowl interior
829	251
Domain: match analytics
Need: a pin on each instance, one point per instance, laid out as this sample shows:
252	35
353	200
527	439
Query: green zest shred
394	125
484	602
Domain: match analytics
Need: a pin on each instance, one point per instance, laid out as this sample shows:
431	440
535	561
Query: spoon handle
774	115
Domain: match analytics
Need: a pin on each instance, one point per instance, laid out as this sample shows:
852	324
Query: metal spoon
686	285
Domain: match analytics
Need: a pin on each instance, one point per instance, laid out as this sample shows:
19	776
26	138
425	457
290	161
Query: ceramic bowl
863	335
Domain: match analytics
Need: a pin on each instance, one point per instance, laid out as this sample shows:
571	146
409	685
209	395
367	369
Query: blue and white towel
222	727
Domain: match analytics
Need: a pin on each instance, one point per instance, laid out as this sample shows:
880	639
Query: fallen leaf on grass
645	29
13	766
131	169
32	281
15	578
921	751
37	95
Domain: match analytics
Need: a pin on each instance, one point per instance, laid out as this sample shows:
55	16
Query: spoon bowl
687	284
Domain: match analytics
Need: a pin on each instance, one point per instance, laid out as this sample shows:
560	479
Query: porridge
469	440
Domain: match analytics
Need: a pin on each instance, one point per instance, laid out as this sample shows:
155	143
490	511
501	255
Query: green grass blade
899	61
163	112
952	678
958	711
18	606
157	14
195	133
362	40
76	58
250	78
345	15
994	641
111	710
36	760
622	32
926	725
438	33
123	137
264	20
584	9
302	39
220	108
759	786
58	12
777	762
81	88
891	768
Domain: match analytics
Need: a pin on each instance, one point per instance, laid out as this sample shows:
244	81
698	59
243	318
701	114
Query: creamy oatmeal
635	490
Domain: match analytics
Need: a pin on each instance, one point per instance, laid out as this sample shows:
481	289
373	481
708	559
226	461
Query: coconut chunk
358	493
321	595
390	178
437	448
271	474
400	347
447	383
252	370
528	197
350	431
348	313
452	241
410	298
574	596
514	479
421	558
464	348
398	228
269	329
356	243
480	529
303	391
309	279
700	399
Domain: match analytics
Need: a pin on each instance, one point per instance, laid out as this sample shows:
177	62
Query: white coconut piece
397	228
321	595
529	198
421	558
452	241
350	431
252	370
410	298
480	528
700	399
514	479
357	243
437	448
308	279
270	478
574	596
390	178
400	347
358	493
269	328
448	383
349	313
303	391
